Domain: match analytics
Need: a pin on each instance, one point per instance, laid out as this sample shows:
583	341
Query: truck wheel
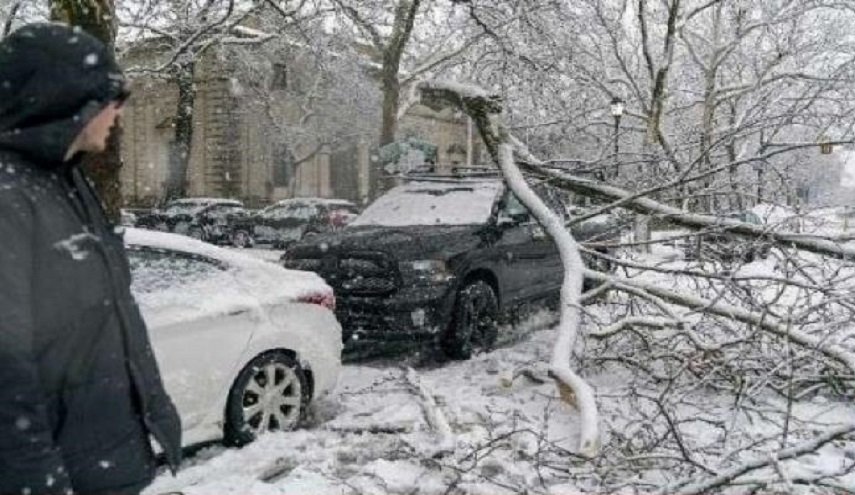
475	325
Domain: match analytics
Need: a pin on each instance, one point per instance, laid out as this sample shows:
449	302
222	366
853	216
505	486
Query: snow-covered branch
763	321
486	111
648	206
693	487
434	415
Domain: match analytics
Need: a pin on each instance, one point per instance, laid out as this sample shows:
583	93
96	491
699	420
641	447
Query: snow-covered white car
243	344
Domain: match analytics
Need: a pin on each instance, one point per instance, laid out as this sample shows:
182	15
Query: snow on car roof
326	201
263	281
205	201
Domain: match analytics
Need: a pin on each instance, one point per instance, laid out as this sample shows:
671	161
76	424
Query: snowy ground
511	434
371	436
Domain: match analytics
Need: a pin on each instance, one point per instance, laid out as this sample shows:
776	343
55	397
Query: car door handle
237	312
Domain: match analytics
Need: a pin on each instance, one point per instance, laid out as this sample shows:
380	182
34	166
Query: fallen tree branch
433	414
691	487
647	206
765	322
634	321
486	110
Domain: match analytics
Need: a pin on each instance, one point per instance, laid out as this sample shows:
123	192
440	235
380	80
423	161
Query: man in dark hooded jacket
80	392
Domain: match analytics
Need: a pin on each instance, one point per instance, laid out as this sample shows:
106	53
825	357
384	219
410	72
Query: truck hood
402	243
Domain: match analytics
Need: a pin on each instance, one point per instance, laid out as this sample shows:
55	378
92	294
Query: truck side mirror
510	220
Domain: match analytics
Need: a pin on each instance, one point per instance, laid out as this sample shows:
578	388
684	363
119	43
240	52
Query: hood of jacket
53	80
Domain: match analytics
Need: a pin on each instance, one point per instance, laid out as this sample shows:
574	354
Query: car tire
242	239
475	323
255	407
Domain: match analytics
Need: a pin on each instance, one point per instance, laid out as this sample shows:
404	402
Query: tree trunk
176	186
391	101
405	17
13	11
97	17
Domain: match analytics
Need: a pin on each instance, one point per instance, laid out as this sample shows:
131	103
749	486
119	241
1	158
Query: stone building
239	148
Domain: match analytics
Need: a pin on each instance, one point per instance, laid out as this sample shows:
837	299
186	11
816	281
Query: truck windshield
465	203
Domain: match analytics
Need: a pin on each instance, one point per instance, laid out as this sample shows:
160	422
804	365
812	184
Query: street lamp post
617	107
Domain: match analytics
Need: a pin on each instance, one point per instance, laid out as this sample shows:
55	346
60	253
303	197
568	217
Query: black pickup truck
435	259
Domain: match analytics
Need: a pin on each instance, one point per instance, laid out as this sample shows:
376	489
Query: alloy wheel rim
271	399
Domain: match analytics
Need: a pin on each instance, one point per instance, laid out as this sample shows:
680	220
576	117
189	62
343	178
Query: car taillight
338	218
325	299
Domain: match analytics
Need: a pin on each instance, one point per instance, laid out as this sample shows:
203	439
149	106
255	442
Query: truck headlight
425	270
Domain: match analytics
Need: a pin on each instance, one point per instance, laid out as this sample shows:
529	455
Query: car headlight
425	270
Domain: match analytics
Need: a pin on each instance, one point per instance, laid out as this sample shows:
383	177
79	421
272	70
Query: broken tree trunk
486	111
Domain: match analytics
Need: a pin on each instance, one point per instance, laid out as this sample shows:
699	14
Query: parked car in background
207	219
243	345
440	259
290	220
725	246
130	216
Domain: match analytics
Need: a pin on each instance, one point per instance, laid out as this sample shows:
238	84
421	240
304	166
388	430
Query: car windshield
466	203
226	210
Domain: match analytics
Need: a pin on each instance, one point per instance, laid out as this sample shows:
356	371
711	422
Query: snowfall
507	429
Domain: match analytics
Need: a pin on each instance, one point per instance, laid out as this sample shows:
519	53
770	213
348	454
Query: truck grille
358	274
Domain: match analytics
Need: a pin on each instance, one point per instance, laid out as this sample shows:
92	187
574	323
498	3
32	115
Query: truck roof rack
456	174
480	170
447	178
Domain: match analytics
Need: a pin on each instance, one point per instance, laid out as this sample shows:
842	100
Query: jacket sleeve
30	462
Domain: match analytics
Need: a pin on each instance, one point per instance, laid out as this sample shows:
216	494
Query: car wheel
242	239
268	395
475	326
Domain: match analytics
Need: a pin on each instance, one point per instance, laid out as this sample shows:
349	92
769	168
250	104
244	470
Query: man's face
93	137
